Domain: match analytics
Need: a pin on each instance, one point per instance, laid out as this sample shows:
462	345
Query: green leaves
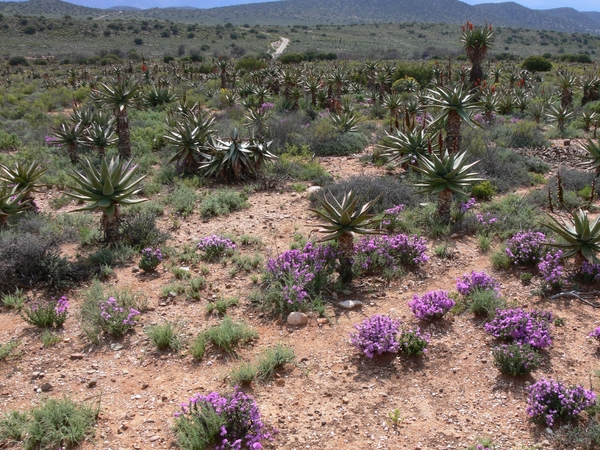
448	172
407	147
580	235
592	158
106	187
22	176
346	217
12	202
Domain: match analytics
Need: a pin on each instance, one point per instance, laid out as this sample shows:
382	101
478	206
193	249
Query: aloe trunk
73	152
123	133
453	138
110	225
346	243
444	204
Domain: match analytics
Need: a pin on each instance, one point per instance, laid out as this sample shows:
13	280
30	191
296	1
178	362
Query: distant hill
310	12
124	8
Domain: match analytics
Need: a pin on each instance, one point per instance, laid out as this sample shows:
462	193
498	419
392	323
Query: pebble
46	387
116	347
154	438
135	269
297	318
92	383
351	304
75	356
313	189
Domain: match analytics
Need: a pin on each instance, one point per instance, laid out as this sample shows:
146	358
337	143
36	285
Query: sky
580	5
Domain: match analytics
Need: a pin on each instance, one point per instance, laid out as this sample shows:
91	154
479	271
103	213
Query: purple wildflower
432	305
376	335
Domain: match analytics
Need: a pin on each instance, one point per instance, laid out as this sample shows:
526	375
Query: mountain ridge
311	12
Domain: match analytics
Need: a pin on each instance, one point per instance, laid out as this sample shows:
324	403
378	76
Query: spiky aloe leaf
580	235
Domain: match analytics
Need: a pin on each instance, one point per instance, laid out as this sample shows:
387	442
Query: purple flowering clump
486	221
241	422
150	260
376	253
116	319
392	217
466	206
549	399
214	247
413	342
476	281
551	269
526	248
432	305
532	328
376	335
301	273
46	313
590	272
595	334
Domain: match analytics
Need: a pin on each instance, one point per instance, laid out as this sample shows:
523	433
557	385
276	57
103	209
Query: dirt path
279	46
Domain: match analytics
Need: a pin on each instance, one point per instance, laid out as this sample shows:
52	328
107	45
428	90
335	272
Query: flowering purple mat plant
526	248
241	425
550	399
476	281
532	328
432	305
376	335
214	247
376	253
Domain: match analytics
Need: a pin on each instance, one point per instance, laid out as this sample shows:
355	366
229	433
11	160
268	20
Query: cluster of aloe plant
17	185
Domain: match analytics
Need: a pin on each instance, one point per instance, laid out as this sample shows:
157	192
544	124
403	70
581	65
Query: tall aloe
455	105
406	147
69	133
345	219
119	96
24	178
581	236
107	188
189	136
476	42
443	176
12	202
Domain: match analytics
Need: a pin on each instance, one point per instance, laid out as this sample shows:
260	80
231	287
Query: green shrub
485	302
341	145
198	346
484	190
6	350
14	301
49	338
273	359
523	134
537	64
243	374
183	200
165	336
221	305
500	259
9	141
139	230
223	202
516	359
13	427
228	334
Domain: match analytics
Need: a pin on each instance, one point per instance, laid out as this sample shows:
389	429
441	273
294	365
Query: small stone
135	269
46	387
351	304
172	294
297	318
92	383
116	346
322	320
144	386
454	236
345	401
185	269
154	438
313	189
75	356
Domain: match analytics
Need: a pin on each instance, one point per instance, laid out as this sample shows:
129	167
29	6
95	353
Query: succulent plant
444	175
476	42
12	202
345	219
190	136
592	158
344	122
581	236
107	188
69	133
406	148
22	176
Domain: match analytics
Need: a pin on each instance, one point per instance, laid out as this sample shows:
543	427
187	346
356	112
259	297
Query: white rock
351	304
313	189
297	318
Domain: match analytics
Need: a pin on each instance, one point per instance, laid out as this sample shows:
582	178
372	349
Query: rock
92	383
313	189
185	269
135	269
351	304
75	356
154	438
297	318
322	320
567	142
172	294
46	387
116	346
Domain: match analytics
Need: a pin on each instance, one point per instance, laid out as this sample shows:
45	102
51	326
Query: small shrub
46	313
516	359
14	301
183	200
444	251
499	259
221	305
532	328
164	336
589	272
484	190
484	242
139	230
222	202
374	254
215	247
198	346
220	420
376	335
6	350
117	320
229	334
485	303
273	359
432	305
245	263
150	260
49	338
13	426
552	270
245	373
413	342
549	400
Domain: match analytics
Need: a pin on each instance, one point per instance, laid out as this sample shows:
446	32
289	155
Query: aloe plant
12	202
190	137
107	188
69	133
581	237
445	175
592	158
476	42
406	147
345	219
